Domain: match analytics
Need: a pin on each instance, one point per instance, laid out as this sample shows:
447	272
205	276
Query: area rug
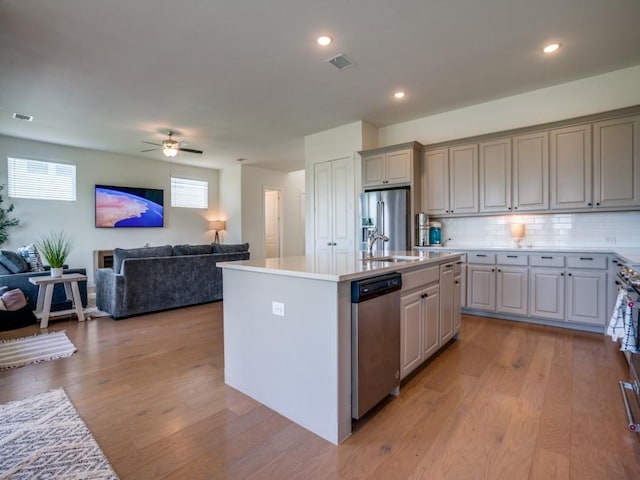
18	352
43	436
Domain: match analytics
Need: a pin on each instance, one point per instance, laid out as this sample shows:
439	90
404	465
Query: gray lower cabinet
447	302
546	293
481	287
586	296
420	318
512	293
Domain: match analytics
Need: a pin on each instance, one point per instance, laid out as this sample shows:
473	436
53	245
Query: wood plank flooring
506	401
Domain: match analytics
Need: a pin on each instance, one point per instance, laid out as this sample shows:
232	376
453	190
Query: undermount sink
390	259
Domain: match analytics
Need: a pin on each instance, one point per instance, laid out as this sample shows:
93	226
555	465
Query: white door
342	209
271	223
323	216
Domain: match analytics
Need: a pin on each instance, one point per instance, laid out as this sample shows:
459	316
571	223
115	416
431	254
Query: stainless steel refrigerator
387	213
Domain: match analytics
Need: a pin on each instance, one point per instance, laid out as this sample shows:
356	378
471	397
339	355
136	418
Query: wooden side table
45	296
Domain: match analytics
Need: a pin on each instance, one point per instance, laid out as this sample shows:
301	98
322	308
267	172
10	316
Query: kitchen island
287	331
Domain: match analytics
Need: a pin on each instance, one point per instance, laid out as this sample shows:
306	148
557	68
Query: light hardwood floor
505	401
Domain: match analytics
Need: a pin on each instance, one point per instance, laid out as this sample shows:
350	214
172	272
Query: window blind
188	193
41	180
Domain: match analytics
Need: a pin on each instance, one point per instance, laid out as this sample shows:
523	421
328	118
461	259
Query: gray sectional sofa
145	280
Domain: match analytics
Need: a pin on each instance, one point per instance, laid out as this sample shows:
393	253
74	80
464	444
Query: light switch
277	308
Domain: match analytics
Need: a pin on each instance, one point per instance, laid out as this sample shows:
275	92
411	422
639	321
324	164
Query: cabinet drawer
420	277
481	258
586	261
550	260
512	259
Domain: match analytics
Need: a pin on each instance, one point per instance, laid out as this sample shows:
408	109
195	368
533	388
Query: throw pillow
2	305
32	257
14	299
13	261
192	249
120	254
230	248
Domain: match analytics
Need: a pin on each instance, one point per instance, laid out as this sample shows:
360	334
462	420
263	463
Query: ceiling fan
170	147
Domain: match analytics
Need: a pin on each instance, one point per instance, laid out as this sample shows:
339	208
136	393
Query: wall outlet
277	308
610	240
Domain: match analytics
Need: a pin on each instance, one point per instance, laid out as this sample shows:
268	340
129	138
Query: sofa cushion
192	249
32	257
230	248
13	261
120	254
4	270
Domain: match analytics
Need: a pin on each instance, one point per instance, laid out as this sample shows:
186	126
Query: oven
624	327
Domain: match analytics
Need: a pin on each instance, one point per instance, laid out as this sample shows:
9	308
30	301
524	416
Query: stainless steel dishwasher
375	340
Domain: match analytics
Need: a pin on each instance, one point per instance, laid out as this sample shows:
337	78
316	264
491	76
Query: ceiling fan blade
150	150
190	150
151	143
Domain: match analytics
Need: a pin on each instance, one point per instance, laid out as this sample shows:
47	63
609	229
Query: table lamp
217	225
517	233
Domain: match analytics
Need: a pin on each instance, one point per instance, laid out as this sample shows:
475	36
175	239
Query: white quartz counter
340	266
629	255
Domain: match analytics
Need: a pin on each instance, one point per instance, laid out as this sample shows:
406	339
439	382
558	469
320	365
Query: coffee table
45	296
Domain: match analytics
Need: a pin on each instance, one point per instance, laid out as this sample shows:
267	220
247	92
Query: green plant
5	220
55	249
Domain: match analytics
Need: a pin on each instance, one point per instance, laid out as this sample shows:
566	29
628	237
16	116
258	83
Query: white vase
56	272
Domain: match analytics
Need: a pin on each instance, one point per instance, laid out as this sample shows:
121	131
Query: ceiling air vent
22	116
341	61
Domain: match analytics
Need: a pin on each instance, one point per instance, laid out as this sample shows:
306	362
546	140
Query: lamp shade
217	225
517	230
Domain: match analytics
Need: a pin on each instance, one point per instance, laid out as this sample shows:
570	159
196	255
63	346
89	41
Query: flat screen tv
125	207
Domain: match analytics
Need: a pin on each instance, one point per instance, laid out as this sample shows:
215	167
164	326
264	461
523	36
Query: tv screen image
122	207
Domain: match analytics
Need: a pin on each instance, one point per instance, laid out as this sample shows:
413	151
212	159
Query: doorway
272	222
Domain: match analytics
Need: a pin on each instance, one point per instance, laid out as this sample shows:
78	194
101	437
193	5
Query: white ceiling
245	78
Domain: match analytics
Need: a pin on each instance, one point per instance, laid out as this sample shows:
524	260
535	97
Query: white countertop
337	267
630	255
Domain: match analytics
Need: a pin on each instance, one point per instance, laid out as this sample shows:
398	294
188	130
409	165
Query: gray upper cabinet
386	169
495	175
450	180
571	165
531	172
617	162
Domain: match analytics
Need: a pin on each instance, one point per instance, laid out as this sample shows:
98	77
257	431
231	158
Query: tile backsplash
602	229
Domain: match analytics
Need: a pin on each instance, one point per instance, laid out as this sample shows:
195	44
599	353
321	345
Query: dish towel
622	324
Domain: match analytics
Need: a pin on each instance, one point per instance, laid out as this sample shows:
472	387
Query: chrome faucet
373	237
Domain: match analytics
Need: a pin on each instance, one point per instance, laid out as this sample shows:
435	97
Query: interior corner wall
230	205
600	93
254	181
77	219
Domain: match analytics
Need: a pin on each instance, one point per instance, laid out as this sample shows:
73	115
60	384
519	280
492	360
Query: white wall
254	181
600	93
230	207
39	217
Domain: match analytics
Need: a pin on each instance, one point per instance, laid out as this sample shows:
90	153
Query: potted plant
55	249
5	220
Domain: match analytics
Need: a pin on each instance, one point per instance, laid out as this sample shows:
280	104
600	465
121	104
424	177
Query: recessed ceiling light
324	40
552	47
399	94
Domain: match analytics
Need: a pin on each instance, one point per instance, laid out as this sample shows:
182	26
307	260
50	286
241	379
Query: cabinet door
342	205
463	182
617	162
431	321
531	172
457	298
481	287
435	182
410	332
571	162
586	296
447	293
495	176
546	293
323	218
398	167
512	290
373	170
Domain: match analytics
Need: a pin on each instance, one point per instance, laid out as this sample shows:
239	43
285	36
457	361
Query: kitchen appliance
422	230
375	341
435	233
627	305
385	212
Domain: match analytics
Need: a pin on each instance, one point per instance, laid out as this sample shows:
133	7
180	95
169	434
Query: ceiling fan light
170	148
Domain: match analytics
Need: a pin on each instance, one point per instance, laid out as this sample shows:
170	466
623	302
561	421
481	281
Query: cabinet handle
515	208
597	204
509	208
617	282
512	256
329	243
498	270
589	204
547	258
586	258
562	274
449	266
424	295
456	282
614	261
570	274
493	269
459	263
480	255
